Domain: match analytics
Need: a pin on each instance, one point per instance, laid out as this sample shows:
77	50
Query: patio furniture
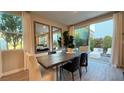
109	52
96	53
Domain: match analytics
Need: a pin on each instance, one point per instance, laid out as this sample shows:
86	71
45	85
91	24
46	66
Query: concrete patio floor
102	59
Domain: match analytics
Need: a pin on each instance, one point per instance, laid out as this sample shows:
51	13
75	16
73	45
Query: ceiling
69	17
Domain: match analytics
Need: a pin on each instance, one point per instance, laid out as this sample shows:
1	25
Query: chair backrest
76	63
84	59
33	67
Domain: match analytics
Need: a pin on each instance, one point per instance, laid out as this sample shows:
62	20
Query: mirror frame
36	22
52	33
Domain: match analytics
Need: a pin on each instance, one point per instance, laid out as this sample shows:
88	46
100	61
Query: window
11	36
42	37
81	36
57	32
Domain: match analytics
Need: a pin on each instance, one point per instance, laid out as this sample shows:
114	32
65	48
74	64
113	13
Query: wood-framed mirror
41	37
56	38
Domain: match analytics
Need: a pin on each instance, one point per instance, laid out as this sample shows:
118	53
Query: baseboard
12	71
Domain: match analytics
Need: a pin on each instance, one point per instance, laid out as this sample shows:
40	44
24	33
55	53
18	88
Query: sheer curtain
28	36
28	33
117	40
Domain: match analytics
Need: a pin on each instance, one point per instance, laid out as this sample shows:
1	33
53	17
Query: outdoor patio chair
96	53
108	53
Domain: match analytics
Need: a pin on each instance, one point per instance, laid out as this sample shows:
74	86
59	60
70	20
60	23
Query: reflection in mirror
41	37
57	38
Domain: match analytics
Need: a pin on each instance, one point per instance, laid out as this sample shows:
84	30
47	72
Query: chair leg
60	73
86	68
80	73
72	76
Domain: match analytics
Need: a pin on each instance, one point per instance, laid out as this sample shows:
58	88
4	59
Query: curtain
28	33
28	36
117	40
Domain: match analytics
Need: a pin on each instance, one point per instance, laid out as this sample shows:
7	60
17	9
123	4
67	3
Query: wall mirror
56	38
42	37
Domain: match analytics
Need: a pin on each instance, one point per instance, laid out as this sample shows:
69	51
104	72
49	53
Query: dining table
56	60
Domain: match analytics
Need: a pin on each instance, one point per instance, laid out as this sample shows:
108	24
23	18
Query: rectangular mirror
42	37
56	38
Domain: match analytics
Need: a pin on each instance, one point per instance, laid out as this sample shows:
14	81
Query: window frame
16	33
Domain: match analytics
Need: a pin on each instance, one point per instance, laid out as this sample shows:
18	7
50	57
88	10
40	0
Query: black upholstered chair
72	66
84	60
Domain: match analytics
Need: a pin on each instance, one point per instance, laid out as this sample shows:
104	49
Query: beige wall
12	61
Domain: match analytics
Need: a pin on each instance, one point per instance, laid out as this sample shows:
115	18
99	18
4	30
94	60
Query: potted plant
68	41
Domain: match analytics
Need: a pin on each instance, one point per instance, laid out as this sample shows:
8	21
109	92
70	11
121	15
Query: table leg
57	73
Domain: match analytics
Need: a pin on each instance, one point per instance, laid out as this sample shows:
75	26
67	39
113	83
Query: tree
92	44
98	43
11	24
107	42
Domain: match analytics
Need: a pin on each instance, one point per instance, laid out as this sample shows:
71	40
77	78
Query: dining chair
84	60
36	71
72	66
33	67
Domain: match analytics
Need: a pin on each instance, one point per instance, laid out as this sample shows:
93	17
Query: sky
102	29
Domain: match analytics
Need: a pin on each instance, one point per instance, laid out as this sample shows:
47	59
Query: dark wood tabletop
49	61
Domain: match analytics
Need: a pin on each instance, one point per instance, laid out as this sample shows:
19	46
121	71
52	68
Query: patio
102	59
